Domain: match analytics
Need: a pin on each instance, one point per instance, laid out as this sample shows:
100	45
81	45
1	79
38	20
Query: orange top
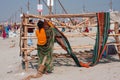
41	36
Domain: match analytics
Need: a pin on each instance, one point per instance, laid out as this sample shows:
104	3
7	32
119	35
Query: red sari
4	34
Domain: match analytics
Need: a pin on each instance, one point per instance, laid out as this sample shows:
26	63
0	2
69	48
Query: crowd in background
10	30
7	30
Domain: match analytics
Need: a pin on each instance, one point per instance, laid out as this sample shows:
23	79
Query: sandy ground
11	69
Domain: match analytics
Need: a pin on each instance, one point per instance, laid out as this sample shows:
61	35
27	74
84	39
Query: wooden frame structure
24	30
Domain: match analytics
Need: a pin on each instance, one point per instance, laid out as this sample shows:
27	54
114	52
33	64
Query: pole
28	7
15	17
46	5
21	10
50	8
84	10
65	10
111	5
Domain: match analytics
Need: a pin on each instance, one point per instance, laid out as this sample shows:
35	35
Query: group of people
7	28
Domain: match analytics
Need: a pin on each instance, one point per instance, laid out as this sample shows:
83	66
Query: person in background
3	33
0	30
30	33
63	28
86	30
6	30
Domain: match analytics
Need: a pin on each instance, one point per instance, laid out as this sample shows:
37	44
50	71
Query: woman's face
46	24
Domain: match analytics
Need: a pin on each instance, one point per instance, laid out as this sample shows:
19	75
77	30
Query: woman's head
40	24
46	25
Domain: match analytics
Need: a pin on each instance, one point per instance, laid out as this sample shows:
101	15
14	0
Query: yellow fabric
41	36
50	24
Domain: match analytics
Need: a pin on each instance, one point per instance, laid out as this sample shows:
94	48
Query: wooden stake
25	44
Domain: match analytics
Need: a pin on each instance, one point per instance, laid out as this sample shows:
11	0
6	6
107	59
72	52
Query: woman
3	33
45	44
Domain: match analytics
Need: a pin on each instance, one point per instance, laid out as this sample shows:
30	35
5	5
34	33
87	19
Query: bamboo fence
25	25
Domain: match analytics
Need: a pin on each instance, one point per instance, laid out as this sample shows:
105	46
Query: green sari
46	50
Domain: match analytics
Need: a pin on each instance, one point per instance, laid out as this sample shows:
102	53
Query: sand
11	69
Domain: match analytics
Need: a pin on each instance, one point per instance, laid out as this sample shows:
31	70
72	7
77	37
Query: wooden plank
25	45
61	15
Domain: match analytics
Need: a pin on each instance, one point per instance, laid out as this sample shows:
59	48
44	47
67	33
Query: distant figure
6	31
111	50
63	28
30	32
110	31
3	33
0	30
86	30
15	28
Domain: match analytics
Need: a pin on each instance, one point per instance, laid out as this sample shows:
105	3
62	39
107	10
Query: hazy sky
8	8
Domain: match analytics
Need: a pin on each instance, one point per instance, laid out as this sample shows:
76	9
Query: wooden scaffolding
25	50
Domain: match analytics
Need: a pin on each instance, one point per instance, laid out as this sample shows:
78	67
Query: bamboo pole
65	11
30	51
73	47
57	48
65	26
63	15
20	41
71	15
25	45
75	35
29	25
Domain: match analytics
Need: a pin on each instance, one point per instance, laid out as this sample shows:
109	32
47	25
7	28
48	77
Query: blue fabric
6	30
104	54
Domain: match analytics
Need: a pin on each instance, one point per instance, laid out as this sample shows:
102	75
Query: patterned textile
47	49
64	43
101	36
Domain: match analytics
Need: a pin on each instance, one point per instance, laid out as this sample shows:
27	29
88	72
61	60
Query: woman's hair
30	21
40	24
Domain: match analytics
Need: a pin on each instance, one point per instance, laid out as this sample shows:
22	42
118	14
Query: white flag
39	7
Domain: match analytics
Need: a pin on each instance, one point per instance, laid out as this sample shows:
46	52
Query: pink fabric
4	34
